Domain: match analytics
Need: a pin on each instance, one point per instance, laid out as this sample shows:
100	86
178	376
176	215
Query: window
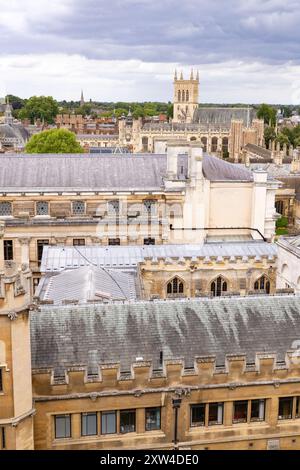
215	414
204	143
149	241
149	206
2	437
258	410
78	207
285	408
62	426
218	286
240	411
183	95
1	381
108	422
40	246
262	285
279	207
5	208
179	95
297	415
88	424
198	415
114	241
113	207
78	241
187	95
214	144
42	208
175	286
152	419
8	250
127	421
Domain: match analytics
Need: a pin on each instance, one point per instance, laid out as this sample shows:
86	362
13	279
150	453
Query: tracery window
218	287
262	284
175	286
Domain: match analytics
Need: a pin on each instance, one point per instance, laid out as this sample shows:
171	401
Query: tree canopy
39	107
53	141
267	113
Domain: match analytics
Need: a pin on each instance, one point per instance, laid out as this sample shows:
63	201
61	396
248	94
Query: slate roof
223	115
89	335
101	172
259	153
290	244
58	258
87	283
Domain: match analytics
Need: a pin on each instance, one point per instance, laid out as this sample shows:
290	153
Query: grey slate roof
101	172
58	258
290	244
89	335
87	283
223	116
259	153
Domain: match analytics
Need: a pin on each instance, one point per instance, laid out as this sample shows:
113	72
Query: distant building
13	135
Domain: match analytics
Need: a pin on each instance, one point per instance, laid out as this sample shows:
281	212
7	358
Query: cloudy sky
245	50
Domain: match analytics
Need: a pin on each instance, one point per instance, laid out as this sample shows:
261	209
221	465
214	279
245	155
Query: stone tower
81	99
186	97
16	406
8	117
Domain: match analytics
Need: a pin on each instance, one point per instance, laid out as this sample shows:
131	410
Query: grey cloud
190	31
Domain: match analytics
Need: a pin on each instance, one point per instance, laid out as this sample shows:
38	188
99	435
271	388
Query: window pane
89	424
78	241
40	246
62	426
78	207
258	410
5	208
240	411
42	208
285	408
127	421
215	414
152	419
108	422
198	415
8	250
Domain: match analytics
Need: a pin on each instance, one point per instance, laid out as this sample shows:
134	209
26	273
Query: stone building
92	273
223	132
288	273
13	135
178	198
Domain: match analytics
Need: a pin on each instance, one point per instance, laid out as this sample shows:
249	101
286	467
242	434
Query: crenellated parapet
76	382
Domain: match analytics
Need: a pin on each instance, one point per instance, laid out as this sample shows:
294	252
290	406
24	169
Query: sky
127	50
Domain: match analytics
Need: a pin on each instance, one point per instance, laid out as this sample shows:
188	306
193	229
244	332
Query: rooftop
88	335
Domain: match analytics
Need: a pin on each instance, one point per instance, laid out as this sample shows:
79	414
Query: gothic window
187	95
225	147
179	95
5	208
214	144
175	286
183	95
78	207
218	287
42	208
262	284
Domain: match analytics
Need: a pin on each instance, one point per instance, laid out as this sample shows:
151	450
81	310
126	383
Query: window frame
240	420
149	409
37	210
40	245
214	423
65	415
78	240
9	205
86	415
132	411
116	422
194	406
79	211
285	417
258	420
8	251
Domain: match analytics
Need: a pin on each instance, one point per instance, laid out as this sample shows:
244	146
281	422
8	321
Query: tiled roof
223	116
94	334
58	258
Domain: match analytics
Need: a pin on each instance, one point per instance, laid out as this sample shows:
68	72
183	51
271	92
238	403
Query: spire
8	117
197	76
192	74
81	99
175	75
181	75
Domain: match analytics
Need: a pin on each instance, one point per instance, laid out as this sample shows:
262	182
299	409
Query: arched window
179	95
204	143
225	147
175	286
214	144
187	95
183	95
262	285
218	286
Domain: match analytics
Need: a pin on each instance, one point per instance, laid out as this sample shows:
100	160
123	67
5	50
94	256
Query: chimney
195	160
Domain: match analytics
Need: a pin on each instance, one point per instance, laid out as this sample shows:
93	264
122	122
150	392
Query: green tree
286	111
270	134
40	107
267	113
54	141
282	139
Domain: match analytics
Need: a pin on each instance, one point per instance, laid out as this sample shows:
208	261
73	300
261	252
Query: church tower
8	117
186	97
16	406
82	99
